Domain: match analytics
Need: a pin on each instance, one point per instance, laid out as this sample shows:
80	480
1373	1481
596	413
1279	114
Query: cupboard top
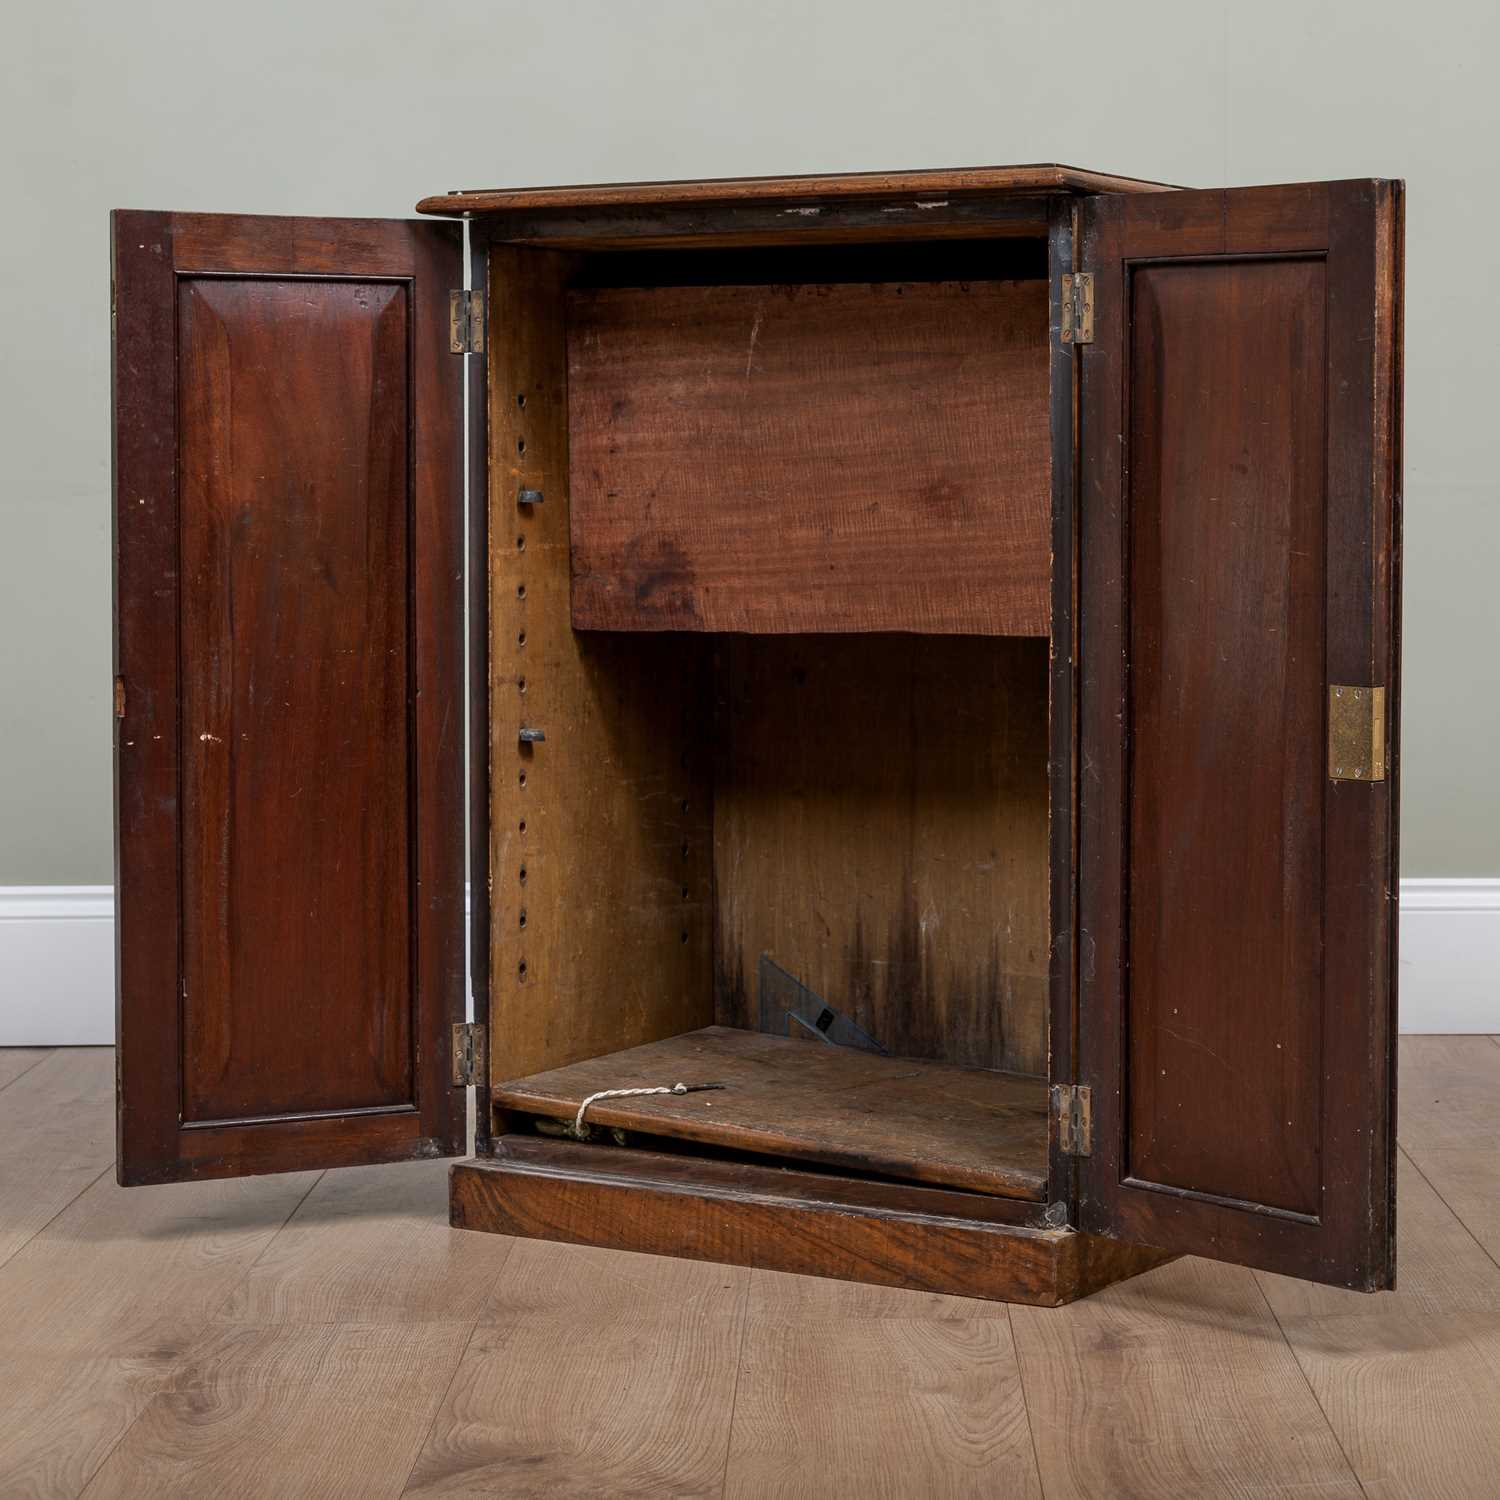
1036	178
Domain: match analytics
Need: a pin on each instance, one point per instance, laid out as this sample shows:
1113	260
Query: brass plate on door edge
1356	733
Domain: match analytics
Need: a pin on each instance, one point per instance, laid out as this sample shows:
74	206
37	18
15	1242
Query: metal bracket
465	322
1078	307
1356	733
470	1044
1073	1107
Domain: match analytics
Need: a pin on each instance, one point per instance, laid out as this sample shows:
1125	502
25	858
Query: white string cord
676	1088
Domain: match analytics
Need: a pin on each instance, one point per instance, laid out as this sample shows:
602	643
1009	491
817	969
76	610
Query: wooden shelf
930	1122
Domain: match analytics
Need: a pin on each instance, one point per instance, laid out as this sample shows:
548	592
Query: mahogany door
1239	533
289	693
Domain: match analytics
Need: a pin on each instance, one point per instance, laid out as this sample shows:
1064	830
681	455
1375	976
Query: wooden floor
328	1335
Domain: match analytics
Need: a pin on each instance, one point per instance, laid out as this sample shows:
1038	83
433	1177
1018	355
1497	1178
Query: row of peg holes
687	894
521	687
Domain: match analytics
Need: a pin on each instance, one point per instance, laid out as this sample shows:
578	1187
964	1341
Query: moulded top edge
1044	177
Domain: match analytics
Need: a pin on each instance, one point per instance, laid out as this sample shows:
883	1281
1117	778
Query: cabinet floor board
916	1121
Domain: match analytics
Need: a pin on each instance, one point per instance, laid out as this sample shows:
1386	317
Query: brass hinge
469	1047
1078	307
1356	733
1073	1105
465	322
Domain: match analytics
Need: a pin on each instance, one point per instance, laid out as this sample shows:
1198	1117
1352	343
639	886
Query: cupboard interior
784	834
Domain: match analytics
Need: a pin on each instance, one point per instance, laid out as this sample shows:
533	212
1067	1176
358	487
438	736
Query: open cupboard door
1239	507
289	693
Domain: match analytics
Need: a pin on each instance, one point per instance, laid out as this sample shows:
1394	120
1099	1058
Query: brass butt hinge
1356	733
465	322
469	1048
1073	1107
1078	307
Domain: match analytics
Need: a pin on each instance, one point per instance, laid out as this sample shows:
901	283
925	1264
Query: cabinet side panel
600	832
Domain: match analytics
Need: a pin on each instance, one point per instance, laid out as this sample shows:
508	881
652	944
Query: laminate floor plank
329	1412
1469	1183
1177	1382
57	1134
330	1336
1449	1094
98	1309
1410	1379
859	1390
592	1373
371	1245
14	1061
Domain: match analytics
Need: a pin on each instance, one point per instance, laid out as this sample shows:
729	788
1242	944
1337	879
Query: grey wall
360	108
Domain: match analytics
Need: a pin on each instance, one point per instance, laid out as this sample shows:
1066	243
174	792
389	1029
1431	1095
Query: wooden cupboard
926	646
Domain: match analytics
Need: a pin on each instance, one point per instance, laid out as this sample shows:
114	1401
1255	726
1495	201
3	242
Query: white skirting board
57	965
57	961
1450	955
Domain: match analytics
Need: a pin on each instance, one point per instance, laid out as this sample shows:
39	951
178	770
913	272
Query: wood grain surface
881	833
1226	913
1177	1383
662	1337
1029	179
60	1136
771	1218
816	1370
806	1100
810	458
601	860
1237	907
289	766
604	1371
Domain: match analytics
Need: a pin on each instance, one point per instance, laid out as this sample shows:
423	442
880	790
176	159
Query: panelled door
289	693
1239	537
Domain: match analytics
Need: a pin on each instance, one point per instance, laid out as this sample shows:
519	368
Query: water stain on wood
880	830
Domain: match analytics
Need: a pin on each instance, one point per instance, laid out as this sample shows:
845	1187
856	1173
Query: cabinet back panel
880	830
795	458
1228	522
295	681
